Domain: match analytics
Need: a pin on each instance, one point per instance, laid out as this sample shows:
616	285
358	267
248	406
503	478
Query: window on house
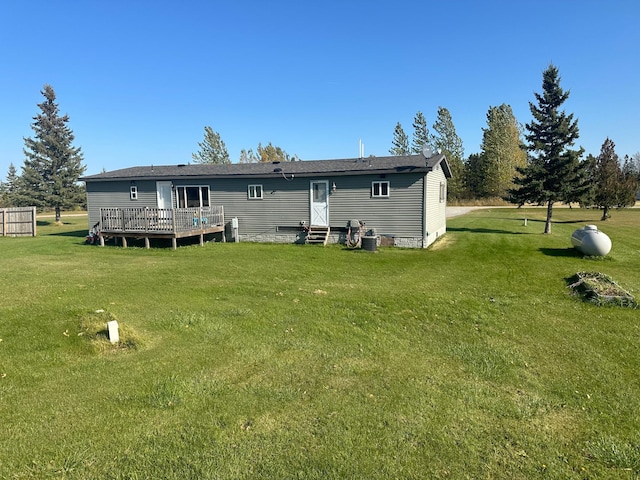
255	192
443	192
133	192
192	196
380	189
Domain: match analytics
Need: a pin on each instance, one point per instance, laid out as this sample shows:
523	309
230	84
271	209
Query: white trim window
443	192
254	192
133	192
380	189
197	196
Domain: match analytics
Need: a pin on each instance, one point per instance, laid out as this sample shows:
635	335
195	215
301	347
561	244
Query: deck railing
159	220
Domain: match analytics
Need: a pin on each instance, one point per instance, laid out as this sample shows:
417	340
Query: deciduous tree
400	142
612	187
212	149
502	153
553	171
52	164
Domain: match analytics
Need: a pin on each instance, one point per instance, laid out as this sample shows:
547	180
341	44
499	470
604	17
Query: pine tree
400	142
553	172
420	134
212	149
448	142
52	165
502	152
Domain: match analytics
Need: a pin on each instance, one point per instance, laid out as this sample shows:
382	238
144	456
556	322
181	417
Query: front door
319	194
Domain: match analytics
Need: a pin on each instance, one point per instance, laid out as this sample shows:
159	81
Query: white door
164	194
319	194
163	190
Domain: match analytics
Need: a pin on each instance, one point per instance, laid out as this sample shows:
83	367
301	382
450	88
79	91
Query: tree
272	153
248	156
52	165
502	152
613	188
448	142
9	189
212	151
420	133
553	172
400	142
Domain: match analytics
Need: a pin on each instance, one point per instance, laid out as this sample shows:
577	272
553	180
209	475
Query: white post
112	328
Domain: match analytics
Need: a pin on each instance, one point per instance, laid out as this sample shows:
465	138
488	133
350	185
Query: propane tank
591	241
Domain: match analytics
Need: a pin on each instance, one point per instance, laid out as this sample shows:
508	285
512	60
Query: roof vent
275	162
182	165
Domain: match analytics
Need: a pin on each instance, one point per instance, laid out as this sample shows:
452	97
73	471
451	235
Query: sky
140	79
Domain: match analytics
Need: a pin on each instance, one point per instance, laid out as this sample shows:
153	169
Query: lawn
470	359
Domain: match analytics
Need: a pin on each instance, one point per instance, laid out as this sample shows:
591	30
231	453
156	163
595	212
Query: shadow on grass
71	233
486	230
560	252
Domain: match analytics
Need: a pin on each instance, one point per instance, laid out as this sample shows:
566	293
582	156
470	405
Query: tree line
537	164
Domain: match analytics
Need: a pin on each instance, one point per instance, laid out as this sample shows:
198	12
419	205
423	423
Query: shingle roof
353	166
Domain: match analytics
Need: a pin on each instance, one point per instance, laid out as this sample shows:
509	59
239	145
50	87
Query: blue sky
140	79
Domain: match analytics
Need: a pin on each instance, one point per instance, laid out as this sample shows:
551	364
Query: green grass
468	360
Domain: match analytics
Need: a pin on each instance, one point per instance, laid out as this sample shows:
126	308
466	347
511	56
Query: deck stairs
317	235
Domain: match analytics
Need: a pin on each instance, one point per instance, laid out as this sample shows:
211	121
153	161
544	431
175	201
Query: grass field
467	360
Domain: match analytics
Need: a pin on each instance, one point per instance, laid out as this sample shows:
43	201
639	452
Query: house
401	199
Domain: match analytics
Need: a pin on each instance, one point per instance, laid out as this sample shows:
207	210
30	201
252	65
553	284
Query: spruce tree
553	172
52	164
420	134
400	142
212	149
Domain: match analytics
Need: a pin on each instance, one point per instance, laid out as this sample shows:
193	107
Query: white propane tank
591	241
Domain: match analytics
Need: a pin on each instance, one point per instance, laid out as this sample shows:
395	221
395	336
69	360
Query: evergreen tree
474	175
9	189
52	165
446	140
400	143
612	187
502	152
553	172
212	149
420	134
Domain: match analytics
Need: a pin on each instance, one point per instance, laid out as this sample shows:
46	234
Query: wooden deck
170	223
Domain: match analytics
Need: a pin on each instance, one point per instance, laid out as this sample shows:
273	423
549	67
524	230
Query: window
192	196
443	192
255	192
379	189
133	192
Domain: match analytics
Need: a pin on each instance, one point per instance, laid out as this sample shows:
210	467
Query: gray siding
286	203
436	224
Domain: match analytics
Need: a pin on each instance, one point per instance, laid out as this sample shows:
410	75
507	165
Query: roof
304	168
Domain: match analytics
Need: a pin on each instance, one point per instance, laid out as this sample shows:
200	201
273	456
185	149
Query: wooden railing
159	220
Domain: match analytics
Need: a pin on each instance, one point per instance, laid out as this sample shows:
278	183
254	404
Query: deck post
174	243
146	242
124	242
146	220
201	239
101	239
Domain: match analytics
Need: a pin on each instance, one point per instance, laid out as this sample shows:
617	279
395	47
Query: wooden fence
18	222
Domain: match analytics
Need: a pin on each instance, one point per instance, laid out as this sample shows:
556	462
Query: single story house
400	198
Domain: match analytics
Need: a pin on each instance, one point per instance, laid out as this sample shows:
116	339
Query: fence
18	222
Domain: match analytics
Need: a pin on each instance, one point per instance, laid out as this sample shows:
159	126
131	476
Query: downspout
425	233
